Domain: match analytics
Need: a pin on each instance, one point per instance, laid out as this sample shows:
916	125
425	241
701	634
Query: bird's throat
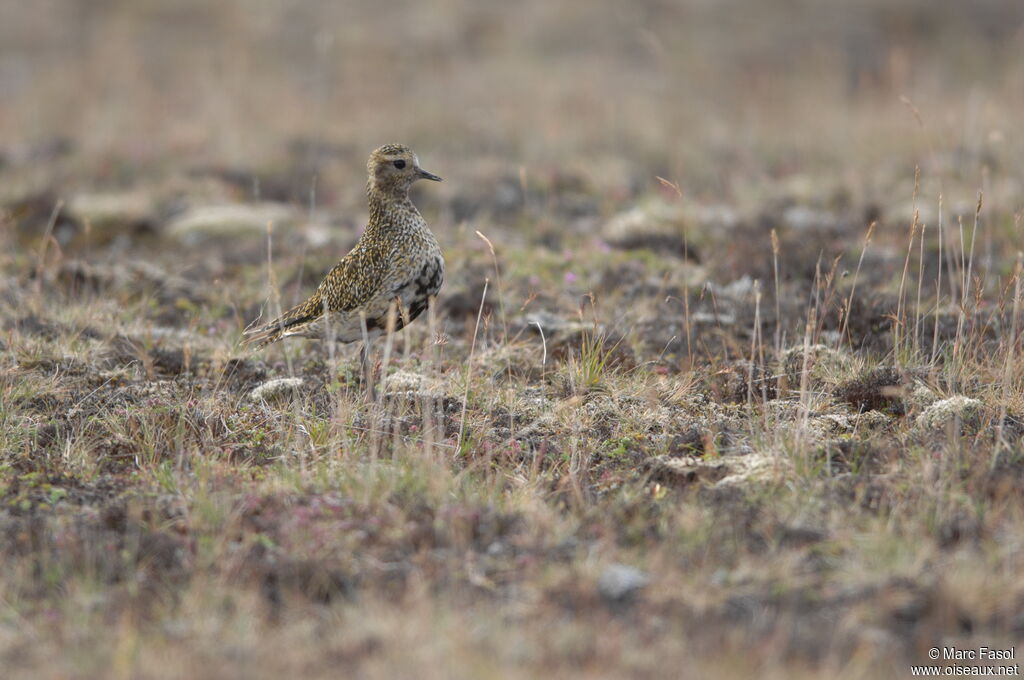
383	201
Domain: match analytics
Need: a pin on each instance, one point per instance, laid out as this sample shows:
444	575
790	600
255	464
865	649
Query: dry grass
785	383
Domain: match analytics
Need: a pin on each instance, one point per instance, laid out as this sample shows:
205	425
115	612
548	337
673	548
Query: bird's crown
392	150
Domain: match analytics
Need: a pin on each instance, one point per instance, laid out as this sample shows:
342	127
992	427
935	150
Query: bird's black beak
423	174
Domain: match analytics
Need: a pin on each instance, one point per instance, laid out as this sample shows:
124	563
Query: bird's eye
399	164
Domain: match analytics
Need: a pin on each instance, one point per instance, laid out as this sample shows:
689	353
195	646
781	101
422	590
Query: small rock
229	221
740	289
619	583
657	226
550	324
825	365
922	396
803	218
106	215
965	409
683	470
748	469
403	381
873	420
275	388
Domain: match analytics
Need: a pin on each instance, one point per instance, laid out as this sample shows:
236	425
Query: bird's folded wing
352	283
356	280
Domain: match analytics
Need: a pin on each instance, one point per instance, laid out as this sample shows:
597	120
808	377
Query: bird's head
393	168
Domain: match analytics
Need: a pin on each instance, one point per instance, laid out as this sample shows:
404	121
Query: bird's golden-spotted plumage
396	259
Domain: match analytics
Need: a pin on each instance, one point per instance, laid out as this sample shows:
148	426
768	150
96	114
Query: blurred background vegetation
726	85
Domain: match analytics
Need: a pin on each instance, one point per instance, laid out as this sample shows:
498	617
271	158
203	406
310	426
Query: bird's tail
258	337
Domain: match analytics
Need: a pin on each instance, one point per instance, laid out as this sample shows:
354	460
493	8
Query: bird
397	265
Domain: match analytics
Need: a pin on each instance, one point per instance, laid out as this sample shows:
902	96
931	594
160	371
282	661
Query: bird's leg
366	363
364	357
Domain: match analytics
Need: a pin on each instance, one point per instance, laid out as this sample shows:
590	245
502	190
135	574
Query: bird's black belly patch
424	285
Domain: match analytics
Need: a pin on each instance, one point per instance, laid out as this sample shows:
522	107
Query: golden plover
396	261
